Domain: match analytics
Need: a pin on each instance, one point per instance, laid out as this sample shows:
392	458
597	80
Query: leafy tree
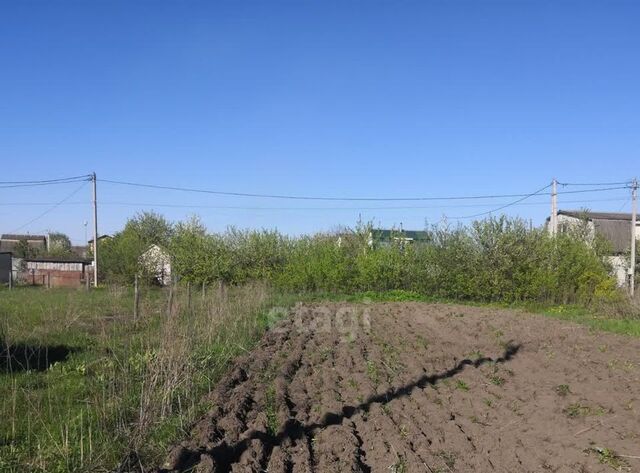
24	250
119	256
196	256
59	245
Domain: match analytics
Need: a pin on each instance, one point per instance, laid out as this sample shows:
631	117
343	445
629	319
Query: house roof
46	259
100	237
79	249
384	234
597	215
617	232
615	227
13	236
9	242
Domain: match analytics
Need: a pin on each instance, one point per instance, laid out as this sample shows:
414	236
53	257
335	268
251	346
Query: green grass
562	390
497	380
373	372
626	326
400	466
582	410
88	412
271	411
606	456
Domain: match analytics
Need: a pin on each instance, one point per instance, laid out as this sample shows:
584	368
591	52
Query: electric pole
634	211
95	231
553	219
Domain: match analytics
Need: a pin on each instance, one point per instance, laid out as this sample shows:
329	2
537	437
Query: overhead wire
50	209
239	207
45	181
503	206
412	207
520	197
594	183
332	198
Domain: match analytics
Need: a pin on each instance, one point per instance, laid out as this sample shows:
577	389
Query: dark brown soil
404	387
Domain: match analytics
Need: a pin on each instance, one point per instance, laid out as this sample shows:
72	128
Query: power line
504	206
594	183
346	199
235	207
601	189
40	184
413	207
49	181
50	209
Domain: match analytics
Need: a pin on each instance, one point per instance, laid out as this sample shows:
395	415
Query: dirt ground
413	387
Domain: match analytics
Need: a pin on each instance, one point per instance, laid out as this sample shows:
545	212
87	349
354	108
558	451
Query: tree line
497	259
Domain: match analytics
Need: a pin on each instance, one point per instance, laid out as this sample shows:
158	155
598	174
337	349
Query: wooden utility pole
95	231
553	219
634	211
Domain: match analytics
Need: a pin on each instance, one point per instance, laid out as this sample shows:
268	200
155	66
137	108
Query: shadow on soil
225	455
21	357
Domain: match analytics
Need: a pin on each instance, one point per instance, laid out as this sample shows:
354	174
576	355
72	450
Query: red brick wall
43	277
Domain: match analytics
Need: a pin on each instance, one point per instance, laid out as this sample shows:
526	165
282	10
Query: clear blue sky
317	98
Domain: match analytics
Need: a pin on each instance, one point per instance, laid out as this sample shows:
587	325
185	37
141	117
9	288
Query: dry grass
129	387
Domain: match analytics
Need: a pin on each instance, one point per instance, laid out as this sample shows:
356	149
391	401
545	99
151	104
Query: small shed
156	262
55	272
6	263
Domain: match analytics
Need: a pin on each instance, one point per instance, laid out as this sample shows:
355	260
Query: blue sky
382	99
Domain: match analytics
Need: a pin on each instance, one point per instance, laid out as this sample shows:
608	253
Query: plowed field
413	387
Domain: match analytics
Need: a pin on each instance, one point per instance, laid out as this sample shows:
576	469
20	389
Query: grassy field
87	387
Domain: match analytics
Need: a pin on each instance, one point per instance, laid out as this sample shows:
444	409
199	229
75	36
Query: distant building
81	251
55	272
156	262
100	238
14	243
6	263
379	237
613	227
384	237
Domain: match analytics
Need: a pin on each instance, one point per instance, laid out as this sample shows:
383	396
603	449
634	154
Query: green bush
492	260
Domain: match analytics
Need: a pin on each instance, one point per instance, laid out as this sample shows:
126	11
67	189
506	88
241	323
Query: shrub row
497	259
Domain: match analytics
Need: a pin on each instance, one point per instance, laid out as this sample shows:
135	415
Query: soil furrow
422	387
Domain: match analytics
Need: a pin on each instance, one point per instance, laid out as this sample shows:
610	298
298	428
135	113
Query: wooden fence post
204	291
188	295
170	303
136	298
10	279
